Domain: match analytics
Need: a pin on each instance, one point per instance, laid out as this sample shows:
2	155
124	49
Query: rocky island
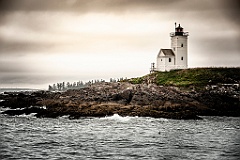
178	94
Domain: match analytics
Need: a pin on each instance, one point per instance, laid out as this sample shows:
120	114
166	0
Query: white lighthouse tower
177	56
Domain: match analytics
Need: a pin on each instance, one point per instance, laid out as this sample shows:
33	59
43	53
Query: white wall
180	52
163	63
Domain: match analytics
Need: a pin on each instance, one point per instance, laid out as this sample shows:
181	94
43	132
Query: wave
5	91
3	109
118	118
31	115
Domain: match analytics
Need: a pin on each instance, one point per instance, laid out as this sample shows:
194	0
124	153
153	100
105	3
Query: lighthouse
177	56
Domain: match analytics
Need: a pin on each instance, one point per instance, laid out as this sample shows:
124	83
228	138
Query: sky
49	41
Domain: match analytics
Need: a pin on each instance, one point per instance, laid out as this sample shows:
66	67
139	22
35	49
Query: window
170	60
161	59
182	45
182	58
174	48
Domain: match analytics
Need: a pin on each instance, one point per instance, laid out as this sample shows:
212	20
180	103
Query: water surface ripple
26	137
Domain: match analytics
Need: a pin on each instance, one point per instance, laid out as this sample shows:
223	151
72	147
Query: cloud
228	7
231	9
10	67
214	52
23	48
83	36
34	32
26	79
82	5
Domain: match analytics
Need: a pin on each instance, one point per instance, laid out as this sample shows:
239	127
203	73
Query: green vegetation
137	80
197	77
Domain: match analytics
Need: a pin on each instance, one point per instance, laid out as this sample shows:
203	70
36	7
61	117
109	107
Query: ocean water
17	90
116	137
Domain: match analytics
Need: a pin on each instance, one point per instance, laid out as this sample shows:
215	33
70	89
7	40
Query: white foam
43	107
118	118
31	115
163	119
63	117
3	109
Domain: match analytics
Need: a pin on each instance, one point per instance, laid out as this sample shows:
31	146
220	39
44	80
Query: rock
126	95
124	99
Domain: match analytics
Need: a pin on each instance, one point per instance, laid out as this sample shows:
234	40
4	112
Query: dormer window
170	60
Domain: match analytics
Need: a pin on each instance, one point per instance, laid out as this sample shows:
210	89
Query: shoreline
125	99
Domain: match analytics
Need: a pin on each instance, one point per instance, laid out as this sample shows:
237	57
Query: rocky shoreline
126	99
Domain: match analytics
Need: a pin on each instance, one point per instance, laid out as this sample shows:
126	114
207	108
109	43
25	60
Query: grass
197	77
137	80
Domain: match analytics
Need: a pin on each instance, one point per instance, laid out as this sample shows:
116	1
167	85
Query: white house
177	56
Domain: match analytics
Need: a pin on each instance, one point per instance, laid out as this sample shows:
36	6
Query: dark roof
179	26
167	52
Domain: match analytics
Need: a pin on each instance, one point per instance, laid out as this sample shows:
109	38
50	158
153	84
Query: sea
117	137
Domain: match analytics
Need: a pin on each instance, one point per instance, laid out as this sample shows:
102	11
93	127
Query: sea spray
3	109
31	115
118	118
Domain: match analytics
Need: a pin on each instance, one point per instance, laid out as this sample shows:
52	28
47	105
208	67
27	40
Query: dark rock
125	99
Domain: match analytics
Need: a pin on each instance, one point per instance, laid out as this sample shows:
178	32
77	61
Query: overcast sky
48	41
